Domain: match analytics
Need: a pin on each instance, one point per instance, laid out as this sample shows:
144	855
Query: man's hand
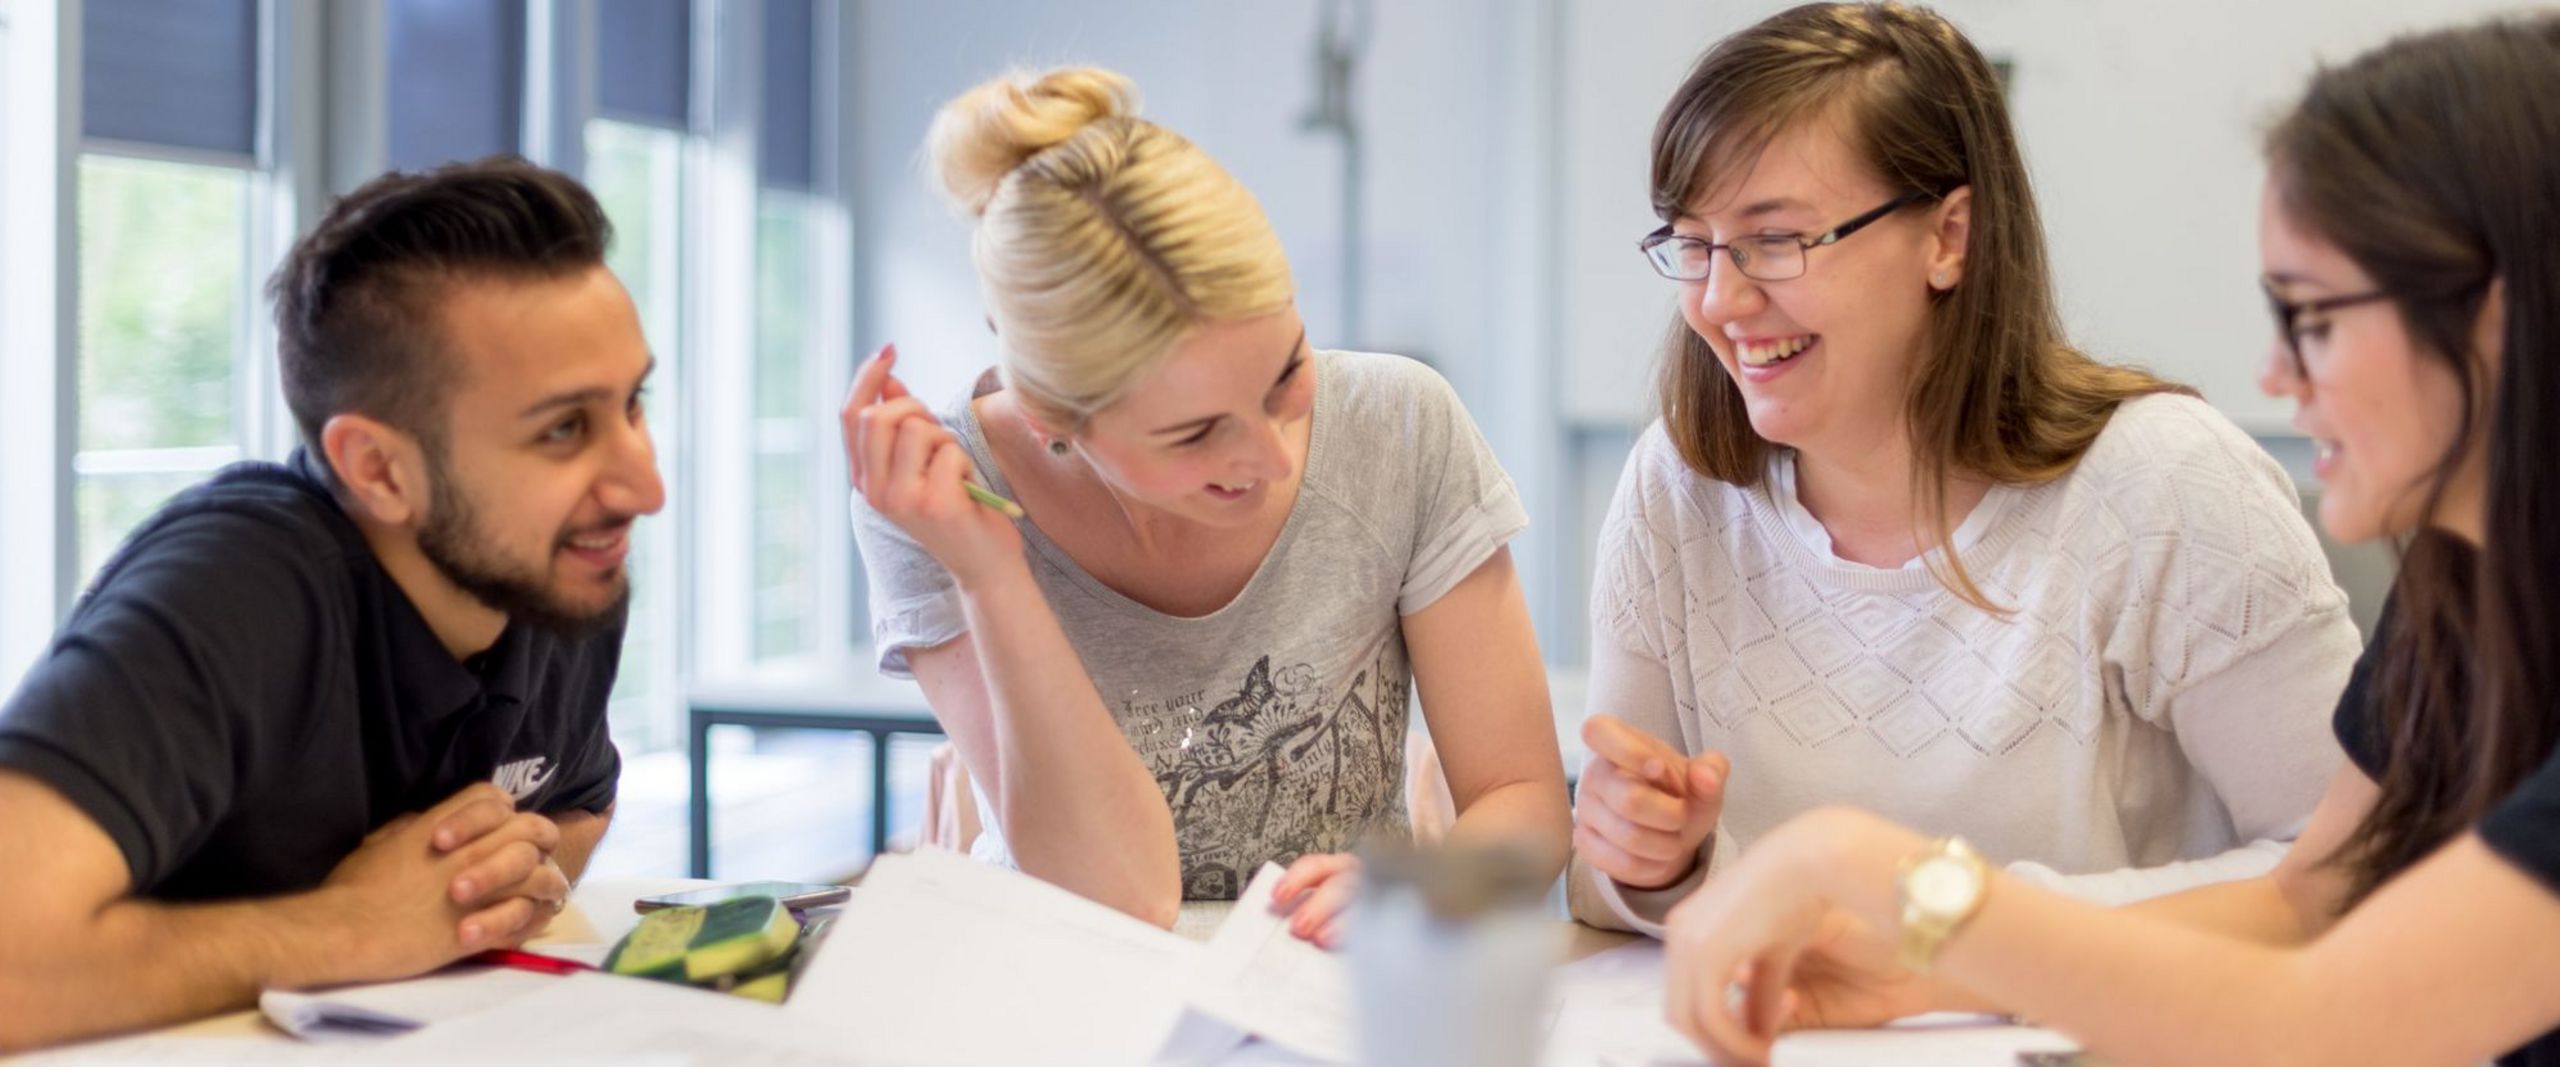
484	813
417	907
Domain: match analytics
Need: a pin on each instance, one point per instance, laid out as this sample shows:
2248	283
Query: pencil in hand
983	495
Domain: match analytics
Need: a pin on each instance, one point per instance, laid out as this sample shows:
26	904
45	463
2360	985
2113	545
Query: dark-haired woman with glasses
2409	251
1895	544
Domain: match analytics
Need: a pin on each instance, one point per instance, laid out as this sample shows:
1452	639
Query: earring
1057	446
1939	279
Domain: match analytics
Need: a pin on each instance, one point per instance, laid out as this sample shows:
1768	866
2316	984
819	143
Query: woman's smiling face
2381	413
1829	354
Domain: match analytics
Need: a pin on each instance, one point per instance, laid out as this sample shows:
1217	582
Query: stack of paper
940	959
1265	981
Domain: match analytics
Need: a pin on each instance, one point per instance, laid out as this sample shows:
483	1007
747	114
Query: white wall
1506	184
2140	122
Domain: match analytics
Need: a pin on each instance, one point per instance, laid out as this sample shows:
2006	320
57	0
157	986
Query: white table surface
599	914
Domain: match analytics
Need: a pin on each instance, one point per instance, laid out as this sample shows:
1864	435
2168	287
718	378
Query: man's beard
452	542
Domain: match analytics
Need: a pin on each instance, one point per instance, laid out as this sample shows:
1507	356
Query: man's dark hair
357	320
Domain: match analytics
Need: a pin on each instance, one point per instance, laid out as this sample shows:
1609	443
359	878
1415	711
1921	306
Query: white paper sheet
318	1019
158	1049
941	959
1920	1041
1609	1012
601	1018
1199	1040
447	994
1263	979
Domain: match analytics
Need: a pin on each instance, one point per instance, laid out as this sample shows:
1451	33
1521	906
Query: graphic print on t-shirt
1281	766
524	777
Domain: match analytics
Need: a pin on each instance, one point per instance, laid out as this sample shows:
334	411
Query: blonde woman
1192	655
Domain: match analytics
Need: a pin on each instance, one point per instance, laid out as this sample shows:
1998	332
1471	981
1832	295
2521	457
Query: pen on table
527	961
983	495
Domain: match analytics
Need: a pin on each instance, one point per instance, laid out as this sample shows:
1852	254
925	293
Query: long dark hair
1998	393
2433	162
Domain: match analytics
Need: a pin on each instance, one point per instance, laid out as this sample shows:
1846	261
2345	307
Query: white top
1817	540
2153	713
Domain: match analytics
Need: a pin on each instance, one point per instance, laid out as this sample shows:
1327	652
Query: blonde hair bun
1100	238
989	131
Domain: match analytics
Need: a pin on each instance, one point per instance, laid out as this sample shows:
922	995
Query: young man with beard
343	718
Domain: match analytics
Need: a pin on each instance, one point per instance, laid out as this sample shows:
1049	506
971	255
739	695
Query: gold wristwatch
1942	886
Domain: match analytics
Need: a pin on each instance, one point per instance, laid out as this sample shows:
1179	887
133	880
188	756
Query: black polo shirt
2524	828
244	693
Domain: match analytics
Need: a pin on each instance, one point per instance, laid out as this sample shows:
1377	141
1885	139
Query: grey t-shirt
1275	725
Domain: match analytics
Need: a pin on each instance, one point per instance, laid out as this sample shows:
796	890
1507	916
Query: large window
168	191
163	310
201	136
637	172
637	147
786	431
789	431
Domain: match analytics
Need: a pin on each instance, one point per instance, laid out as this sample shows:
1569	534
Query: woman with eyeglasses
1895	544
1236	555
2408	249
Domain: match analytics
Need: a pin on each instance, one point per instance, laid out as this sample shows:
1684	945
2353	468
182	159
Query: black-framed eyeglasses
1768	257
2289	324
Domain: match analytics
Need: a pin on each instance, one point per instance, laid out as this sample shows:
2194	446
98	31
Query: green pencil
985	496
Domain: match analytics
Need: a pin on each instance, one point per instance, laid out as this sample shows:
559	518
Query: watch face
1941	885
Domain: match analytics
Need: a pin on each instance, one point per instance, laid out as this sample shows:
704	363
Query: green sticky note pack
704	944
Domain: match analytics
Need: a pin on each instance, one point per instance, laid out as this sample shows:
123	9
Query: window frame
322	124
269	217
39	299
723	579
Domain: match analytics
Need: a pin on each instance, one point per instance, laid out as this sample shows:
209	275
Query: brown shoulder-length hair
1998	393
2433	163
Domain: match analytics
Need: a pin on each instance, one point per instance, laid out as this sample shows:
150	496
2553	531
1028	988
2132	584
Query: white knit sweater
2152	715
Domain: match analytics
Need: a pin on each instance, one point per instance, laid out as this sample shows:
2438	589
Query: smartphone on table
797	896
